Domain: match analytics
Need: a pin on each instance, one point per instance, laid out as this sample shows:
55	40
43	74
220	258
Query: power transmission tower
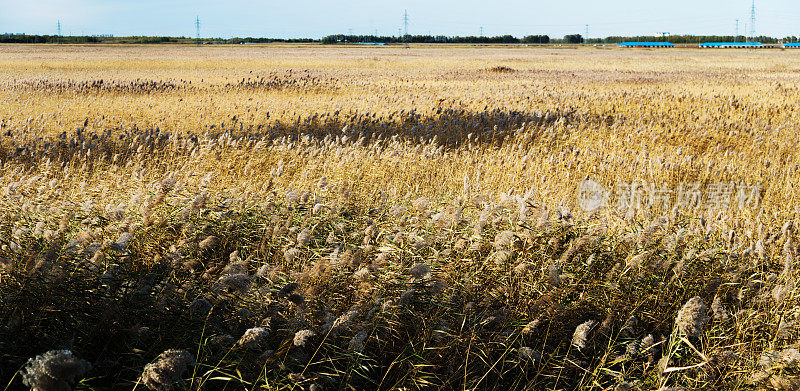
753	21
59	28
481	31
736	37
405	26
586	37
197	27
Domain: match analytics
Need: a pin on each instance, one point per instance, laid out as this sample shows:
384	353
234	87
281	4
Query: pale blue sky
314	19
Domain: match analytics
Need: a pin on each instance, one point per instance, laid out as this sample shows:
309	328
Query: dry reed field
330	218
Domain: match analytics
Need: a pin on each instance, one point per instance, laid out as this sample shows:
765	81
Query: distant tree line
265	40
73	39
573	38
24	38
341	38
685	39
535	39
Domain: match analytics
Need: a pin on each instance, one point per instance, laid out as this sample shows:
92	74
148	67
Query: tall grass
324	218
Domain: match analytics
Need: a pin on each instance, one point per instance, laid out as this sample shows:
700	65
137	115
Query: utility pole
197	27
746	37
736	37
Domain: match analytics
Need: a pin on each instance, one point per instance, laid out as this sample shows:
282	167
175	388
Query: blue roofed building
732	45
795	45
646	45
